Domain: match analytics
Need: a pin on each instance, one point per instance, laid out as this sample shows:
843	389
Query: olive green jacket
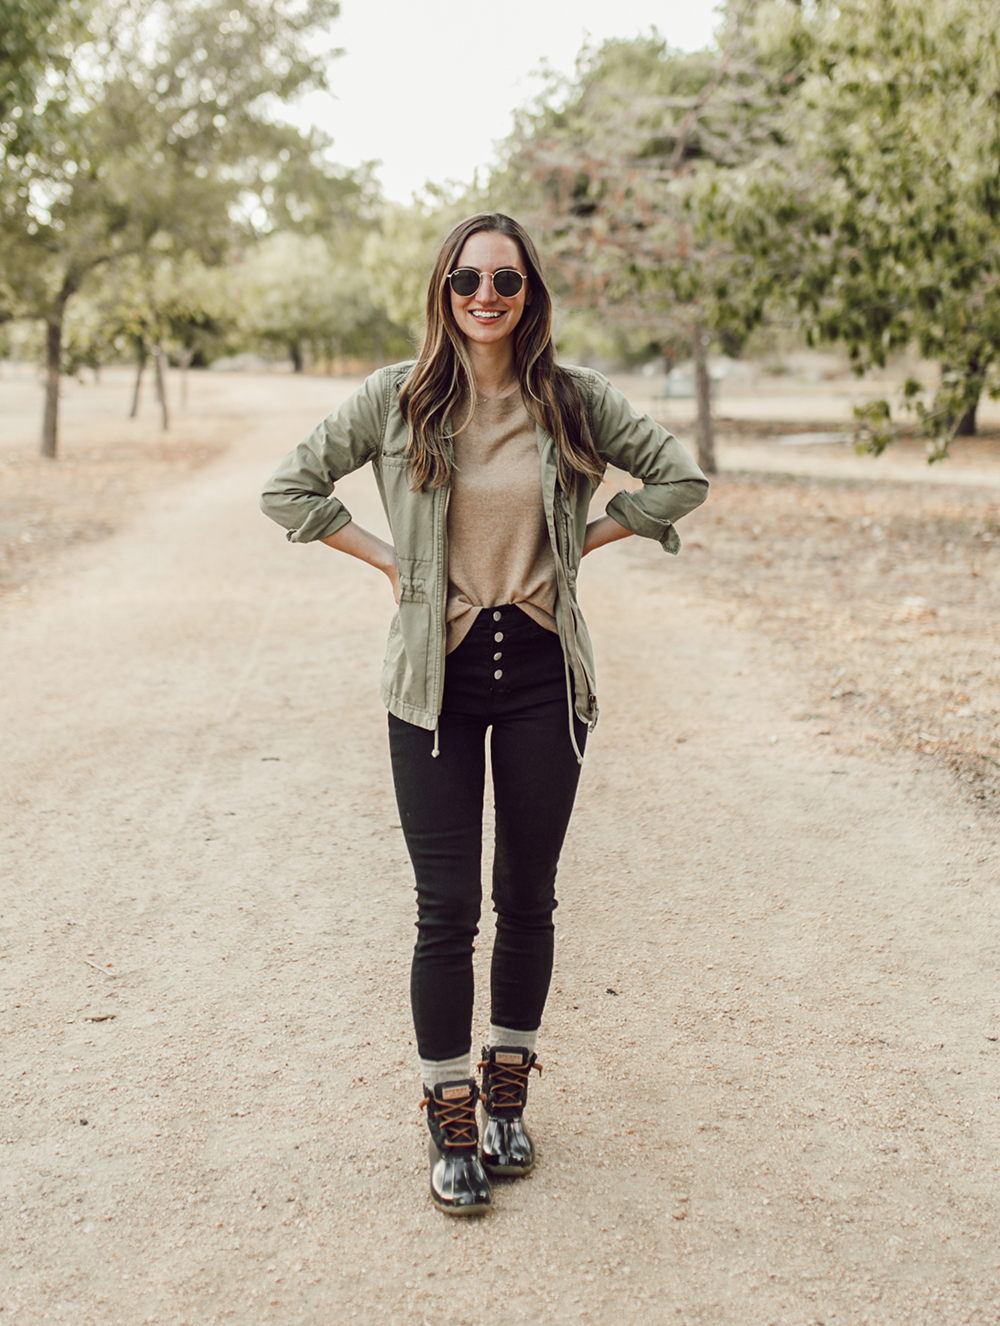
370	427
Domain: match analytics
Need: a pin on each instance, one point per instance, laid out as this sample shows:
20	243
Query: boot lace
457	1119
507	1084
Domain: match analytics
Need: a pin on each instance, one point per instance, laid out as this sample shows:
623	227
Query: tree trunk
141	351
295	350
967	423
161	386
187	354
50	423
703	391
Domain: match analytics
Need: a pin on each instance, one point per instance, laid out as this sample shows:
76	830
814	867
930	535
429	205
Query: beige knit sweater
499	550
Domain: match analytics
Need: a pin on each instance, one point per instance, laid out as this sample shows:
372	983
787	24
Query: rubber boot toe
459	1185
507	1147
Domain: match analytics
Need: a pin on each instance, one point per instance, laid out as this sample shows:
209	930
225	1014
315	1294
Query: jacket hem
408	713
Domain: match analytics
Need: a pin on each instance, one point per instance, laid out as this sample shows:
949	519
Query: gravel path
770	1089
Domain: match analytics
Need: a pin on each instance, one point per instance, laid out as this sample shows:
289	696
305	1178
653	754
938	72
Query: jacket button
496	616
497	656
498	637
498	674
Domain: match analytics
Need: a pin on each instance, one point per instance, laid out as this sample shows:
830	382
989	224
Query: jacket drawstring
437	739
570	710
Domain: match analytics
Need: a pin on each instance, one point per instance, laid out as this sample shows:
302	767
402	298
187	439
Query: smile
483	315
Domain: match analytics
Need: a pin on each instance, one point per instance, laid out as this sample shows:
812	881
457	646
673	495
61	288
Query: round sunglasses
465	281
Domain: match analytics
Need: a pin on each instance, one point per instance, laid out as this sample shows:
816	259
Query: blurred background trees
878	197
155	139
832	169
37	38
600	169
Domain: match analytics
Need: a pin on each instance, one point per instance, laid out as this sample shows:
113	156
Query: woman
486	454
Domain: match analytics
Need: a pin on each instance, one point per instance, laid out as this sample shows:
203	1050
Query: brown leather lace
457	1119
508	1083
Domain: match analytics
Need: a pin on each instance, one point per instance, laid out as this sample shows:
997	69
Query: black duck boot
458	1184
507	1145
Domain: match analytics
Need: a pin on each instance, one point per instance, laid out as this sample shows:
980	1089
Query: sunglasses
465	281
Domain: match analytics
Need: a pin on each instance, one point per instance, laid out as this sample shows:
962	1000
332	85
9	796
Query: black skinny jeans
508	674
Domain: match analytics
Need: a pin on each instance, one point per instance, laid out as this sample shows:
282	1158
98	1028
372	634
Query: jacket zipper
561	525
443	502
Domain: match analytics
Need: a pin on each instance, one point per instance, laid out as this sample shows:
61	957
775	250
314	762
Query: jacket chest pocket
411	517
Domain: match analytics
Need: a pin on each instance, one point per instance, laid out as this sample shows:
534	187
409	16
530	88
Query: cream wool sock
525	1040
433	1071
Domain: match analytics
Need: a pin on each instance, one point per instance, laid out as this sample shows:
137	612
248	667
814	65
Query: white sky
428	86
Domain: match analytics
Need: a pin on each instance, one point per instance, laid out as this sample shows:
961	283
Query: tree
167	146
301	293
880	203
36	40
399	254
150	308
601	167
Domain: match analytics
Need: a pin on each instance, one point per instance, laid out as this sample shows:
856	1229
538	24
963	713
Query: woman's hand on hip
393	573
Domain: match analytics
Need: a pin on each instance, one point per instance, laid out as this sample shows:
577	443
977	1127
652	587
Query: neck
493	368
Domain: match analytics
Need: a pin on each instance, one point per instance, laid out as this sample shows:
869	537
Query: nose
486	294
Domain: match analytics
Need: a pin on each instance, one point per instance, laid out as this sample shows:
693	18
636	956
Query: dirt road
771	1079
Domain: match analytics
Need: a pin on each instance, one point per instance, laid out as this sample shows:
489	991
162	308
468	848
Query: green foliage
605	176
832	166
874	430
21	341
136	303
878	201
36	44
399	255
299	293
169	145
603	167
158	144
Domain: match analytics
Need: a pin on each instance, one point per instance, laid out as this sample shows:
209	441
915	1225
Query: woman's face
485	317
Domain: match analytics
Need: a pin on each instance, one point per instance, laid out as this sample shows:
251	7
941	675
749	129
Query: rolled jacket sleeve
672	484
299	494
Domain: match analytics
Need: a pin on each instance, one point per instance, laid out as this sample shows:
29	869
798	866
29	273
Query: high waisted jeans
508	675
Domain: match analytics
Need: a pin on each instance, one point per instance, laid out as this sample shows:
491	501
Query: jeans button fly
498	637
498	674
497	656
496	616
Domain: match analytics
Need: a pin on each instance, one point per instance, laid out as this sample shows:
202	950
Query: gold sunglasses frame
492	276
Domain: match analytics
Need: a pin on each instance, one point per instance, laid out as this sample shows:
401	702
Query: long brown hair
443	373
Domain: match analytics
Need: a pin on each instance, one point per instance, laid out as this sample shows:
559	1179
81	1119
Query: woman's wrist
357	542
386	562
603	530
